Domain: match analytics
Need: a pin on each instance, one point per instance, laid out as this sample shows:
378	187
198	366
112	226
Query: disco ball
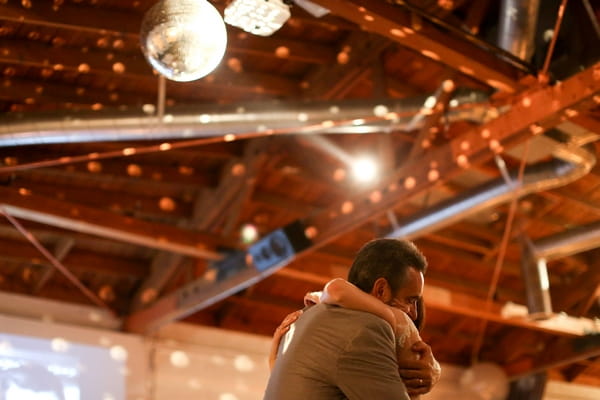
485	381
183	40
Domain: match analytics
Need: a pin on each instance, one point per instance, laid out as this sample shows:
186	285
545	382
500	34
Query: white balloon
487	380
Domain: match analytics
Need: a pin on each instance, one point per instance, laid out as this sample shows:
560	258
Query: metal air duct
517	27
537	177
348	116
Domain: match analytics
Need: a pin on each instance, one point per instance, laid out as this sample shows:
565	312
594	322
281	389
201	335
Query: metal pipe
570	242
537	286
537	177
186	123
517	26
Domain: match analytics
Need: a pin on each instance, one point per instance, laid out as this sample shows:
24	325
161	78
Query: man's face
407	296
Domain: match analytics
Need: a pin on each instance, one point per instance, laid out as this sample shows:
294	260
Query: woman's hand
312	298
279	332
421	375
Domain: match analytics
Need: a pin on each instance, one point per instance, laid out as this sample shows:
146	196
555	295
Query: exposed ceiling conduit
537	177
537	285
567	243
517	27
378	116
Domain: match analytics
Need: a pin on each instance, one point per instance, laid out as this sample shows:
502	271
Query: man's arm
421	375
367	369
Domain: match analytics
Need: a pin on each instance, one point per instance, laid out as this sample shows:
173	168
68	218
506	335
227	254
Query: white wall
130	350
198	363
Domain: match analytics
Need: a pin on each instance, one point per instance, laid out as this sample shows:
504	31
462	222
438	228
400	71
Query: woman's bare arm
279	332
342	293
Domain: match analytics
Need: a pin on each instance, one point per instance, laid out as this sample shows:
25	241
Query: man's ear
382	290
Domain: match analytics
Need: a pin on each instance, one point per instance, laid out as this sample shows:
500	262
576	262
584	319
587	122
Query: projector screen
56	369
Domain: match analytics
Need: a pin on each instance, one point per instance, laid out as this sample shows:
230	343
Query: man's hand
420	376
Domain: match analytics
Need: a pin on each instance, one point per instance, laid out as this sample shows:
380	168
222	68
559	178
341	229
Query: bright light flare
248	233
365	170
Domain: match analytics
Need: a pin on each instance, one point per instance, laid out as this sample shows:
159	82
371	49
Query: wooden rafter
92	221
397	24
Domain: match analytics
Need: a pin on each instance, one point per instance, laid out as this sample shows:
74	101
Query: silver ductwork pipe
517	27
537	177
537	285
344	116
567	243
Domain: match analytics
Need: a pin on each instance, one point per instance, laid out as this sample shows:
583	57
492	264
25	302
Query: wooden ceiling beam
79	263
123	172
397	24
190	157
212	206
433	115
135	67
441	299
333	81
101	223
125	203
476	14
43	91
79	176
61	250
126	25
98	20
578	290
164	265
563	351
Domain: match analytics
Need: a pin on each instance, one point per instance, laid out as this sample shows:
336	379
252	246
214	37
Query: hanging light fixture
183	40
259	17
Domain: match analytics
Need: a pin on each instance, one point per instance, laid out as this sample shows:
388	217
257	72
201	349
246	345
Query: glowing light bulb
248	233
364	170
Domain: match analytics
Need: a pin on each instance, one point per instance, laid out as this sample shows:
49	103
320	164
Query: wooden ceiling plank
563	352
60	252
457	242
583	288
171	185
163	267
126	203
255	158
476	14
125	66
98	20
299	51
92	221
395	23
26	52
44	91
438	298
126	25
80	264
432	114
333	81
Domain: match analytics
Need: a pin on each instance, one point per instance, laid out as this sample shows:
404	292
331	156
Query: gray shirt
336	353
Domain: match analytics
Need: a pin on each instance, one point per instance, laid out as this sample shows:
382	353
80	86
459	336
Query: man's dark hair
385	258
